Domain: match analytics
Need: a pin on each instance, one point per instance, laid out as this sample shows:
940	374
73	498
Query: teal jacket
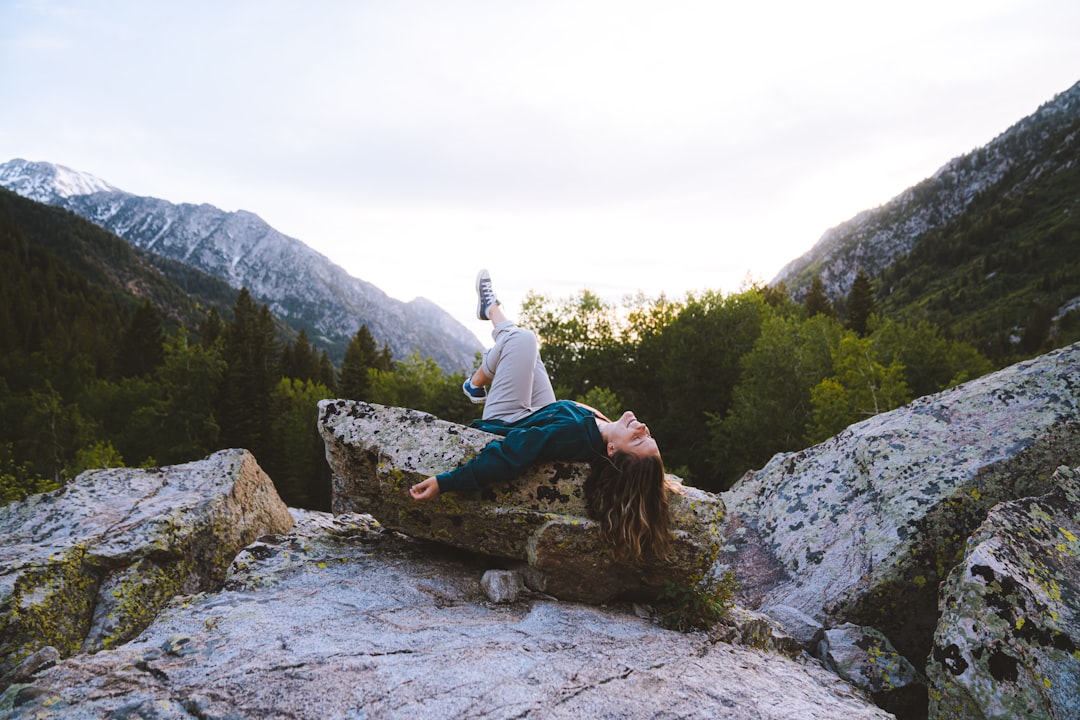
562	430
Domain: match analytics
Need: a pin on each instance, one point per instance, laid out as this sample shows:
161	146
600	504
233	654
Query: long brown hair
626	494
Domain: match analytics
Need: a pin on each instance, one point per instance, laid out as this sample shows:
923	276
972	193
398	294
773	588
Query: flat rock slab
88	566
863	527
342	620
376	453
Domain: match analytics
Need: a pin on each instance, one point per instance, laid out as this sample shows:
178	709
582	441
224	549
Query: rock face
377	452
88	566
343	620
1008	642
864	527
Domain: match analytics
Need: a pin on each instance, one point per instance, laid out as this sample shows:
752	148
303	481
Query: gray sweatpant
520	384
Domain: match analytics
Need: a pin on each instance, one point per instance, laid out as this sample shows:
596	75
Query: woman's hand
425	489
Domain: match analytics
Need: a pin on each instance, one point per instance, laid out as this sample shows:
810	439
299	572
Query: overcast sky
615	145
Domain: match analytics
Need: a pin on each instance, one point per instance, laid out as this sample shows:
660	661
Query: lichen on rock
864	527
1008	641
88	566
376	452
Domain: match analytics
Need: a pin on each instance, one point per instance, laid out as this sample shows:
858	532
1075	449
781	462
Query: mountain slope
981	247
300	285
109	264
873	239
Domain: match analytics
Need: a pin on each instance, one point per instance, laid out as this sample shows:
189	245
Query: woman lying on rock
626	491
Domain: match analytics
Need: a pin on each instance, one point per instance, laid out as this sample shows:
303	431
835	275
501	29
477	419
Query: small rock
800	626
43	659
502	586
865	658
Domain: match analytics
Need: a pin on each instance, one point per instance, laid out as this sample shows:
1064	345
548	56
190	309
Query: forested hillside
105	363
988	248
1005	275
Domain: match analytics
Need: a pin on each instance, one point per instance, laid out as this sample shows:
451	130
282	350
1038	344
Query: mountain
988	247
300	285
48	241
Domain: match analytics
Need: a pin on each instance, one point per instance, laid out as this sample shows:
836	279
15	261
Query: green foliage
251	374
18	480
771	404
361	355
90	376
578	339
100	454
603	400
861	386
422	385
997	276
697	606
860	305
299	471
816	301
142	343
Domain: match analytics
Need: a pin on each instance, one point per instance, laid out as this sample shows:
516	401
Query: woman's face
629	435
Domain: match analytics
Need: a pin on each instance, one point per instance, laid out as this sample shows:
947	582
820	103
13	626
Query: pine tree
326	372
211	328
860	303
251	374
361	355
816	302
142	346
300	360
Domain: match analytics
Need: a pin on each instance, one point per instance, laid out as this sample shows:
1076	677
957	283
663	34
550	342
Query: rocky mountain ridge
874	238
300	285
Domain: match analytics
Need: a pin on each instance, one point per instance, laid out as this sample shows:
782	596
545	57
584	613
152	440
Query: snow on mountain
873	239
298	284
48	183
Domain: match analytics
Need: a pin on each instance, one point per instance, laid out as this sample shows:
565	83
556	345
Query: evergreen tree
816	301
860	303
300	472
362	354
252	373
326	373
300	359
189	380
211	329
142	346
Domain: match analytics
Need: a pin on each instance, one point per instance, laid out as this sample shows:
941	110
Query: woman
625	492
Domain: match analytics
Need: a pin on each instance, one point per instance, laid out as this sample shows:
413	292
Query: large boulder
341	619
1008	642
88	566
863	527
377	452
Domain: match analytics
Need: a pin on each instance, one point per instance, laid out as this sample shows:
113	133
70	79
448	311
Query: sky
612	145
